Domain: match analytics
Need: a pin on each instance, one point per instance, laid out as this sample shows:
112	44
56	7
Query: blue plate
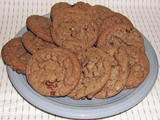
87	109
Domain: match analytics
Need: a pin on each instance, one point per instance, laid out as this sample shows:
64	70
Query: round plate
87	109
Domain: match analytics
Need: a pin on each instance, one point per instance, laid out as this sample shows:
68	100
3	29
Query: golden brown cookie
74	30
114	19
33	43
95	73
58	7
121	34
99	13
119	72
14	55
53	72
40	26
82	5
138	67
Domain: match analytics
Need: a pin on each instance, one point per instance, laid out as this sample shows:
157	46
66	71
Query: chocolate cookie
121	34
115	19
33	43
119	72
40	26
74	30
58	7
14	55
82	5
138	67
95	73
53	72
99	13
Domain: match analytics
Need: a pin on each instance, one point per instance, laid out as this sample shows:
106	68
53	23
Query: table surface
144	14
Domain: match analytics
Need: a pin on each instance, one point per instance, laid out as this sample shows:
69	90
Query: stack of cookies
83	51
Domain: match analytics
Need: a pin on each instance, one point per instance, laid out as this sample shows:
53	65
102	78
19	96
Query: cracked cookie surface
114	19
53	72
138	67
119	72
121	35
58	7
74	30
15	55
99	13
95	73
138	64
40	26
33	43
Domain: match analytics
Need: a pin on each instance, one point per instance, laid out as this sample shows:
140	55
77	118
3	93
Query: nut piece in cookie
33	43
114	19
99	13
74	30
121	35
15	55
138	67
58	7
95	73
82	5
40	26
119	72
53	72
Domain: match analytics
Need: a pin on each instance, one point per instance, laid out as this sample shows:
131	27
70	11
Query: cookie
95	73
14	55
121	34
115	19
40	26
119	72
33	43
82	5
53	72
138	67
99	13
74	30
58	7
